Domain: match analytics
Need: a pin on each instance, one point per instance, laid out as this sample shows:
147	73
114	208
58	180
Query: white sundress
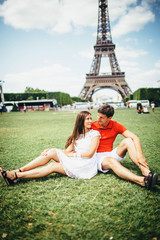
77	167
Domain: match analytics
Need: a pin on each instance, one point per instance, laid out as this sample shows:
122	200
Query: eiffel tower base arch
95	83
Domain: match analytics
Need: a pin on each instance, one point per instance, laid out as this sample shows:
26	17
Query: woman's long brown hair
78	127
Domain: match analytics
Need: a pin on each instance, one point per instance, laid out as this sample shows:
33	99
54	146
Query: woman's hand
45	152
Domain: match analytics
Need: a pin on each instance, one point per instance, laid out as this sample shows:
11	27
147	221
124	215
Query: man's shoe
151	180
158	182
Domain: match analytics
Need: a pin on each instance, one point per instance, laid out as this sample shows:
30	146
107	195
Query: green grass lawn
58	207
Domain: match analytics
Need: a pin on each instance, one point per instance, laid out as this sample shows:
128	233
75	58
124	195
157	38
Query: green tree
62	98
151	94
15	108
30	98
77	99
32	90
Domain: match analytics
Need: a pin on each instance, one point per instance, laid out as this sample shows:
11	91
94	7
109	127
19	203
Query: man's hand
142	162
141	159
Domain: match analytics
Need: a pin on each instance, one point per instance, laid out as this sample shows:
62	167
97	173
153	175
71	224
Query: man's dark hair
106	110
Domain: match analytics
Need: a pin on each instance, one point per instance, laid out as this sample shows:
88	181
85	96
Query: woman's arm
70	148
69	151
93	148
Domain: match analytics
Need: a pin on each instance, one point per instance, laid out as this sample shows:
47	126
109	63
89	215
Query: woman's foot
8	177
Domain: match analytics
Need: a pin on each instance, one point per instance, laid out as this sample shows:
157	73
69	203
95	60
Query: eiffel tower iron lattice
104	48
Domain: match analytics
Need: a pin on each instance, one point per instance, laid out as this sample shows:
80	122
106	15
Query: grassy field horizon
60	208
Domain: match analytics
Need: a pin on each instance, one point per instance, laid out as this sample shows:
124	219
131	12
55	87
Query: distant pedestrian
139	107
145	110
128	105
152	106
89	106
24	108
74	107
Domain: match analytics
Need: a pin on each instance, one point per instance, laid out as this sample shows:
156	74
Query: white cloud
136	75
63	16
51	15
88	53
128	52
131	40
150	40
118	8
50	78
134	20
129	65
139	79
121	52
28	14
35	77
157	64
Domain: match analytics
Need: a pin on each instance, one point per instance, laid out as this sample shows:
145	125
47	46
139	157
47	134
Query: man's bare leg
121	171
127	145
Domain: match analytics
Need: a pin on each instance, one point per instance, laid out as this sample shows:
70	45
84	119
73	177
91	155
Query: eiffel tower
104	48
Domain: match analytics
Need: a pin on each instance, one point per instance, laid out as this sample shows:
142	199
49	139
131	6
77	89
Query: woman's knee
51	153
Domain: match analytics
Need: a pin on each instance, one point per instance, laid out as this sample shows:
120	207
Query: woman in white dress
77	161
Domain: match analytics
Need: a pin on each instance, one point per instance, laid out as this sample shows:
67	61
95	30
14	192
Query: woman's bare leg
42	160
39	172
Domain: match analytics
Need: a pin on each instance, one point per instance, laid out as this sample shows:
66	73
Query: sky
49	44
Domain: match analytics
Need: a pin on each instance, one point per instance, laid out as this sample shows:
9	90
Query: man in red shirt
109	158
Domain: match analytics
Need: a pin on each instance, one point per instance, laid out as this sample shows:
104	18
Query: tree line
151	94
37	94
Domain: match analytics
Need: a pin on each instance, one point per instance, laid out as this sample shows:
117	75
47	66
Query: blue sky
49	44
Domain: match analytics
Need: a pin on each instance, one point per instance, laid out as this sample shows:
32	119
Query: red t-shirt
108	134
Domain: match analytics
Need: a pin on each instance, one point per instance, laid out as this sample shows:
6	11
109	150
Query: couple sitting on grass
88	150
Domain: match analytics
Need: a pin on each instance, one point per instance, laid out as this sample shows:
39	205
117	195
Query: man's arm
141	159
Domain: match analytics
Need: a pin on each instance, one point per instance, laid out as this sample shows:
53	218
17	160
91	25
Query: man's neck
105	125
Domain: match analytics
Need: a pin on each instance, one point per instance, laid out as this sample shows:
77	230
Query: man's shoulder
115	122
95	125
118	126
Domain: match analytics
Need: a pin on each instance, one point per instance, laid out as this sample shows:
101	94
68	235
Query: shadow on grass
133	168
43	179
